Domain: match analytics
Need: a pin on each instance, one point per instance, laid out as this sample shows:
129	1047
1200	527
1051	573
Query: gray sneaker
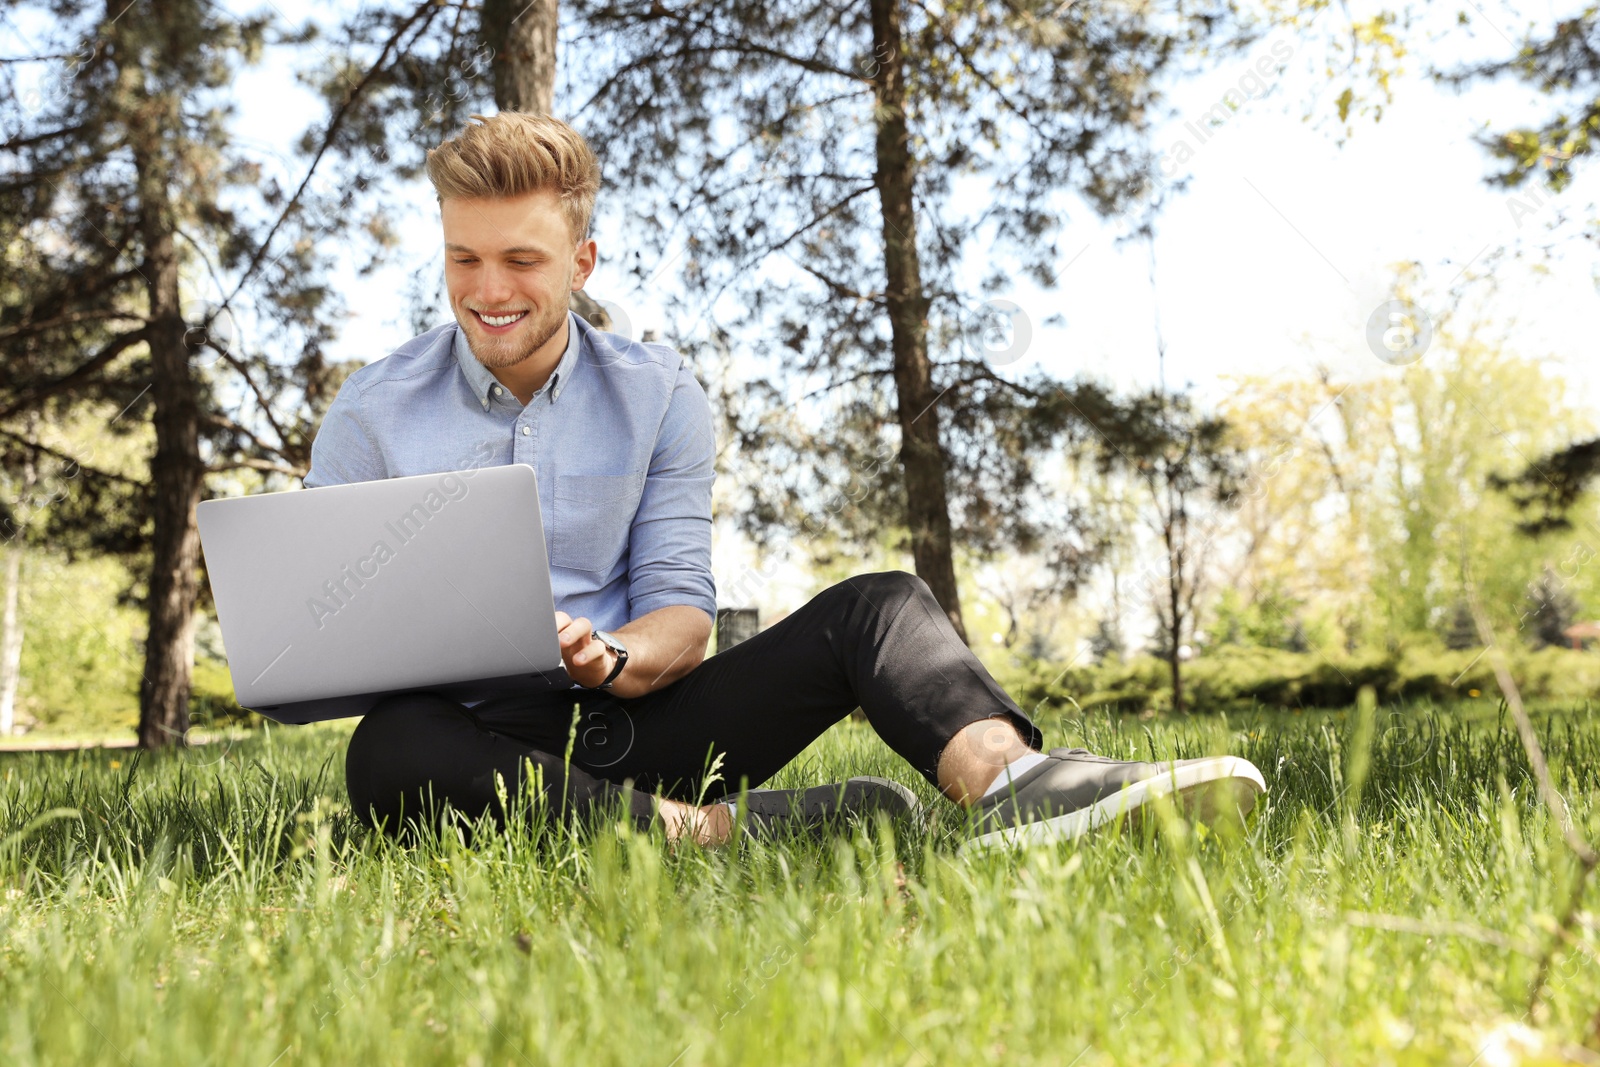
1075	791
769	813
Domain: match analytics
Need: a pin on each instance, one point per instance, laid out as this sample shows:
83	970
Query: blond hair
515	153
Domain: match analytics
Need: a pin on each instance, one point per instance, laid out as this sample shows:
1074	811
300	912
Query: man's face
510	267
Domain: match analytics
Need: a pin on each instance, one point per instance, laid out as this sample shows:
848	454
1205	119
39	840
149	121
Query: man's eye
522	262
464	262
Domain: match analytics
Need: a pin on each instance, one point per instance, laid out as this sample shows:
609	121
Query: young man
621	436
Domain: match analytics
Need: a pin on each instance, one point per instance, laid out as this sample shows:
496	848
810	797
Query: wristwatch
618	650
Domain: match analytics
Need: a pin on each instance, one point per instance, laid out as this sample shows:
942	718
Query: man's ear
584	259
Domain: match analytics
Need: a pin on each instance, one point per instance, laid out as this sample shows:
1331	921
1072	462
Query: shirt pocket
593	515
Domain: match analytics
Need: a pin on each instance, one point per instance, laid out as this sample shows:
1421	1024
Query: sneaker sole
1224	785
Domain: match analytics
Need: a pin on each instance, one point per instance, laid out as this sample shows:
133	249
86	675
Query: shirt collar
483	381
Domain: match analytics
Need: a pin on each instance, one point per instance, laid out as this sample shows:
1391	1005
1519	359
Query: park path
47	744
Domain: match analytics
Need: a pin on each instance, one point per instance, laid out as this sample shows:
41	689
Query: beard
497	353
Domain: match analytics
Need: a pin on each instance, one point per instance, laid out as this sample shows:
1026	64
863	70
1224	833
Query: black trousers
876	641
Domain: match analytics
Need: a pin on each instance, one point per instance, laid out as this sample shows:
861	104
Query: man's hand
587	660
663	646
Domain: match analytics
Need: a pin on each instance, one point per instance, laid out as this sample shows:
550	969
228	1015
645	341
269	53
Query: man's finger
575	633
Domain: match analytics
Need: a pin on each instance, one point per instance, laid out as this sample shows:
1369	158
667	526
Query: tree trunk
522	36
177	473
11	628
1174	661
1175	571
922	458
11	641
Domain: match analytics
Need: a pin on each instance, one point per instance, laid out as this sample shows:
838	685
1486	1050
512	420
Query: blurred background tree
826	169
132	232
846	188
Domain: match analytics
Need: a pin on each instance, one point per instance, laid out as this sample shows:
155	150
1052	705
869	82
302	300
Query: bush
211	699
82	654
1236	676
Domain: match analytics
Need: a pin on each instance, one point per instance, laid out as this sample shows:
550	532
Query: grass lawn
220	906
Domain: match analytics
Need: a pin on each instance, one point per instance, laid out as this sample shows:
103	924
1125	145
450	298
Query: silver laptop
332	598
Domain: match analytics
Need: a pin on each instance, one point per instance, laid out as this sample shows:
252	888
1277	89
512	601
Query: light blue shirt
620	436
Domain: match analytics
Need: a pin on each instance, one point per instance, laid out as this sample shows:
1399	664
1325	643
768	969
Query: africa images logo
338	592
1254	83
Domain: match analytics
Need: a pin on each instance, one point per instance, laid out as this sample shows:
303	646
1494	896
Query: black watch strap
618	650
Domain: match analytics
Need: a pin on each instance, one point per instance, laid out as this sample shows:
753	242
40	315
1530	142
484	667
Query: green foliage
1550	610
1106	642
1266	621
1370	514
1548	491
1563	64
786	201
1236	676
211	701
154	271
1387	904
1462	630
82	652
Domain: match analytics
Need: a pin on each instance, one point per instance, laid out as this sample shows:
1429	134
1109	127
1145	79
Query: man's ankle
976	756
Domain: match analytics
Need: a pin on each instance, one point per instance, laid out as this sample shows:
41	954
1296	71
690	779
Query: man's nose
494	286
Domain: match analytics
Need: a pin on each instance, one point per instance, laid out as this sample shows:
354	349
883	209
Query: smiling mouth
499	320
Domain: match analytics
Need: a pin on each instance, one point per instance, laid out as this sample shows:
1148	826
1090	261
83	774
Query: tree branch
982	76
40	138
110	352
222	422
261	399
780	245
63	457
264	465
334	123
835	287
815	66
841	383
32	329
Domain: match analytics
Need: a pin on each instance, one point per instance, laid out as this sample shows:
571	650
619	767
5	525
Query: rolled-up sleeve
343	451
669	560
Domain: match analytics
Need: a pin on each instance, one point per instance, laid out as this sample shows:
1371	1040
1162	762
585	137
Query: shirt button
499	391
526	431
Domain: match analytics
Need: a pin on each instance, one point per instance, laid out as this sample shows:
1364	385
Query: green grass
220	906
